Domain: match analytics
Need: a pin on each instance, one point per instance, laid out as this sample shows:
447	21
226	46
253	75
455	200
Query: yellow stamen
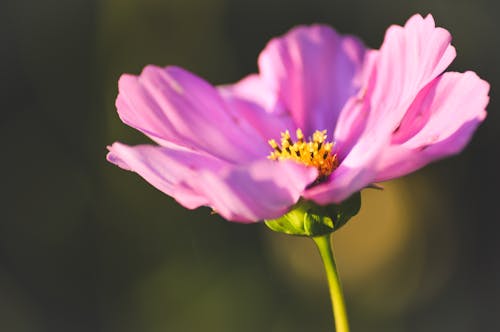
316	152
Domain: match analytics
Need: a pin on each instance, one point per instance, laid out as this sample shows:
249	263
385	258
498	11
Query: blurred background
85	246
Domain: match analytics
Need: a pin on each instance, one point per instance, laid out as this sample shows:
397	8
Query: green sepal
307	218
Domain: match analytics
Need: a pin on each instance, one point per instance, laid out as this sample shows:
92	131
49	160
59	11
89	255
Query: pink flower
388	112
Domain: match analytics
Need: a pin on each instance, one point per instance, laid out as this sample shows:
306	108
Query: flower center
313	152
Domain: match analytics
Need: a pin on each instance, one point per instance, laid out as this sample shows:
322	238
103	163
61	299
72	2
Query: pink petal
264	189
253	88
410	58
252	101
314	71
173	105
166	168
439	123
245	193
353	118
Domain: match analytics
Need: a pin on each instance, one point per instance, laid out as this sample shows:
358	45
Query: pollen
316	151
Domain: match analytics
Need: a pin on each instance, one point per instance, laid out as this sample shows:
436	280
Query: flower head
388	112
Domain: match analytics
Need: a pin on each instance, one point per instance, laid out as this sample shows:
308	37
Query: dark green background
85	246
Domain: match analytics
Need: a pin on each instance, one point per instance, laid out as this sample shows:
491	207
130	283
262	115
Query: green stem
336	294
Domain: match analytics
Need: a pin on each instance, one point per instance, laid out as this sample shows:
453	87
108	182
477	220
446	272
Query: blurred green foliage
85	246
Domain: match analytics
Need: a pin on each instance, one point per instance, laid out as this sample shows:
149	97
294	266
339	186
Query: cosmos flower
324	118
